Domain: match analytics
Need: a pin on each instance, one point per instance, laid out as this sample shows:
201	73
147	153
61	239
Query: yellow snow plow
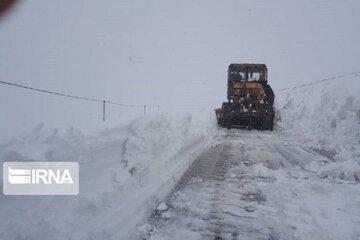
250	99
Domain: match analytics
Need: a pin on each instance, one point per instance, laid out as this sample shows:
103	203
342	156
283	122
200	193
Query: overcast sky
171	53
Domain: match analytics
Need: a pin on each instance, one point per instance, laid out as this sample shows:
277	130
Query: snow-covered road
257	185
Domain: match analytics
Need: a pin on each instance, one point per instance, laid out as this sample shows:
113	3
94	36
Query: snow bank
125	172
327	115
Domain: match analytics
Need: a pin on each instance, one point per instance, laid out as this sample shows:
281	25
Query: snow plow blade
257	120
250	99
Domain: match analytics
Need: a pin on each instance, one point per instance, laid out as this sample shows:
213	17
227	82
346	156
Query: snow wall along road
326	116
124	173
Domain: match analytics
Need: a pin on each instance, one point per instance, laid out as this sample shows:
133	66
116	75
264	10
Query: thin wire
319	81
68	95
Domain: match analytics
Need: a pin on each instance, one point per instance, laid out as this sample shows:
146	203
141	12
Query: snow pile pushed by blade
327	115
125	172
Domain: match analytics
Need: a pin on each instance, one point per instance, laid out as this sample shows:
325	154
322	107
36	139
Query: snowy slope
326	114
124	173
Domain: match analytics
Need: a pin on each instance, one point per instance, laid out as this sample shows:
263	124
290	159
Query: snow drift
326	114
124	173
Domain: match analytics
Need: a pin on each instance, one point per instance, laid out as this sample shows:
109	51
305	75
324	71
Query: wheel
225	105
271	127
264	124
271	124
249	127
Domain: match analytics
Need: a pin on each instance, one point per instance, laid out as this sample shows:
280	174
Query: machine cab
247	72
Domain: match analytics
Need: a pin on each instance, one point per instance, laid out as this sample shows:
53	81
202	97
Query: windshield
245	74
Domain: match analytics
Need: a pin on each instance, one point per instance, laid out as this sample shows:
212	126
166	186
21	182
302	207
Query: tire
249	127
225	105
264	124
271	126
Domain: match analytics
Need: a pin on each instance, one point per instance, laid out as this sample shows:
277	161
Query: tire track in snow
233	191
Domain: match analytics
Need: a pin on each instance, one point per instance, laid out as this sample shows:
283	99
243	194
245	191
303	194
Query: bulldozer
250	99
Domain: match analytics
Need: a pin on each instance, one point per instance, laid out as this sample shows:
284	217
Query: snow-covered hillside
125	172
326	115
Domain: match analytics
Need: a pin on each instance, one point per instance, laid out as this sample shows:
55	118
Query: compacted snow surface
257	185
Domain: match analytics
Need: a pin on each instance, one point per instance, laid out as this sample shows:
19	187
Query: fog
173	54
